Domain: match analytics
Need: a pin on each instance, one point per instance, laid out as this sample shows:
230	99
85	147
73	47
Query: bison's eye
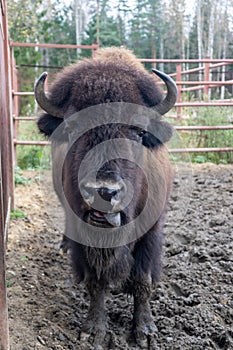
141	133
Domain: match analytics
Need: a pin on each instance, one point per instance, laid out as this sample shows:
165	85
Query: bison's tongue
113	219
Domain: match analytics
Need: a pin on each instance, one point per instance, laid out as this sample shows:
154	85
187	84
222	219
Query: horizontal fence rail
173	150
194	150
55	46
177	61
178	128
204	104
178	104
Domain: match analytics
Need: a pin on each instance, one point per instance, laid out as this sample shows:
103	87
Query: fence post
6	167
206	78
15	102
179	87
94	49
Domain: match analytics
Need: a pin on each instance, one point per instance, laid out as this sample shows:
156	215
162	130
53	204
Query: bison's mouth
100	219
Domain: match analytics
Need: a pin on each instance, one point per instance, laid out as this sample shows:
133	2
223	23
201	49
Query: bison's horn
169	101
43	100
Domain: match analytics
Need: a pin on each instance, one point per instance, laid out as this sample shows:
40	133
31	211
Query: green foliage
210	116
146	28
200	159
30	157
19	178
109	33
33	21
9	283
58	27
17	214
23	258
23	19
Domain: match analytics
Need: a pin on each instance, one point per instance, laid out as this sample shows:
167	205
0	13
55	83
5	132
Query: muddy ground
193	303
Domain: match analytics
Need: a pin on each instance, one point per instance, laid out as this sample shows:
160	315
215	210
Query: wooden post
8	170
94	49
179	87
15	102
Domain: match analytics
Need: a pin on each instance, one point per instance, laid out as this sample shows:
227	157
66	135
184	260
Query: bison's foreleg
144	275
143	325
95	324
65	244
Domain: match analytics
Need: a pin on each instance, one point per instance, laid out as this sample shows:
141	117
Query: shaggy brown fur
113	76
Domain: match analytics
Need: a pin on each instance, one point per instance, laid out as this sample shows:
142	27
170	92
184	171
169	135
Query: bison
112	175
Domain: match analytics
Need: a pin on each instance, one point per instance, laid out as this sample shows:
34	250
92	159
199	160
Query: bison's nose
103	196
107	193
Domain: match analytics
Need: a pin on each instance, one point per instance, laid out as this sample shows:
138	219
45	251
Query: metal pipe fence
184	86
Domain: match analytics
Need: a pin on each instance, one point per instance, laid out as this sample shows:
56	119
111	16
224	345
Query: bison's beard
112	264
104	250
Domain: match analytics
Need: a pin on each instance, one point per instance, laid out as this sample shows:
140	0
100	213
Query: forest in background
169	29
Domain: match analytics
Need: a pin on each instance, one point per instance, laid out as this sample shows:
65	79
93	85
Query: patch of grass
9	283
17	214
200	159
31	157
23	259
19	178
209	116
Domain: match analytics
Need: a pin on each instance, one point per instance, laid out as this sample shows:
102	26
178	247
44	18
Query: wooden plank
8	111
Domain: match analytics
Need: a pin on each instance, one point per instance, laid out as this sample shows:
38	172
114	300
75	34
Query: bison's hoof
65	244
94	330
144	333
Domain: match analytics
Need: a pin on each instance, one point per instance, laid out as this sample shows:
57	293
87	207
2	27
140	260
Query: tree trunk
161	65
210	47
199	40
223	77
78	22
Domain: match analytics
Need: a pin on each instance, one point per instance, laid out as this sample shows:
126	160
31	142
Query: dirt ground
192	305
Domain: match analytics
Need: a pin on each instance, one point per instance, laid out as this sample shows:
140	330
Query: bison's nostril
102	195
107	193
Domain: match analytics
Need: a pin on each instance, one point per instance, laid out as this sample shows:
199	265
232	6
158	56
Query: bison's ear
159	132
48	123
